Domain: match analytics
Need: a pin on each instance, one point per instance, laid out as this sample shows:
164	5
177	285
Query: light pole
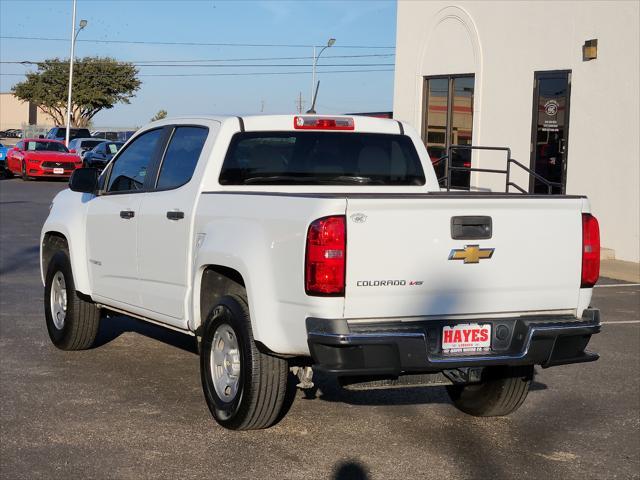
74	35
313	72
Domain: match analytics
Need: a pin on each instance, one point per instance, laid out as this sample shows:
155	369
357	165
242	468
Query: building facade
14	113
556	82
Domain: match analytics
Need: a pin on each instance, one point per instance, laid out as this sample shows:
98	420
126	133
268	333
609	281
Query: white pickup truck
288	242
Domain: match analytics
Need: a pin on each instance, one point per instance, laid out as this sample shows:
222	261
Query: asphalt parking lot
133	408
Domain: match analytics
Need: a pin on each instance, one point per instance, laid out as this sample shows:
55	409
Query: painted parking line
619	285
620	322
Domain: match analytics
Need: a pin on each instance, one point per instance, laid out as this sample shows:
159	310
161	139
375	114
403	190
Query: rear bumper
394	347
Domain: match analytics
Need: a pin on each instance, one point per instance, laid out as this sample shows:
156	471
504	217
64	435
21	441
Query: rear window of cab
321	158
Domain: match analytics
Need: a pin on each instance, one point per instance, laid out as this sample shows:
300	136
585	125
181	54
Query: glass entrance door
550	129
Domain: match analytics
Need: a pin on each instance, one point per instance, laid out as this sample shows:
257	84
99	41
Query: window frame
424	131
238	136
160	160
450	94
153	162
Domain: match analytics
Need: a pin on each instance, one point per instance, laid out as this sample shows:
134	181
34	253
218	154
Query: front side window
448	120
321	158
130	169
181	157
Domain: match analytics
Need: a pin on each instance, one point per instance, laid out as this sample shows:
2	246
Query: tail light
326	257
590	251
323	123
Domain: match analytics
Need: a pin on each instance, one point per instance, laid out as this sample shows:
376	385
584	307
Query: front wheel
72	322
501	392
245	389
23	172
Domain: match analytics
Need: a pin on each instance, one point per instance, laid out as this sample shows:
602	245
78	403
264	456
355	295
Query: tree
98	83
159	116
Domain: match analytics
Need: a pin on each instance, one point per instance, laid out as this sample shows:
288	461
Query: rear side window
321	158
130	169
181	157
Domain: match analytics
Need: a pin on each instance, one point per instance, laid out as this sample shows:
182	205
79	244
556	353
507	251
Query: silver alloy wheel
58	299
225	362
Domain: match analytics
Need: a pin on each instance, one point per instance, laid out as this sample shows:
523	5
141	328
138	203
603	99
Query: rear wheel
245	389
72	322
501	392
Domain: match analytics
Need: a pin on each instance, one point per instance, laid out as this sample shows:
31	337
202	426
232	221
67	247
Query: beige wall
14	113
503	44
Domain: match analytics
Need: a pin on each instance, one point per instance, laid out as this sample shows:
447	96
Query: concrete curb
620	270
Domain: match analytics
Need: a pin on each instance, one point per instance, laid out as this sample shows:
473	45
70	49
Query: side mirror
73	150
84	180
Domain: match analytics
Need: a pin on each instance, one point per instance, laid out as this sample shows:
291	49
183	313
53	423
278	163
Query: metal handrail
507	172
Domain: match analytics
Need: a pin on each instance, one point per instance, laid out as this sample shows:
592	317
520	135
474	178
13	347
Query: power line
231	74
241	65
208	44
256	59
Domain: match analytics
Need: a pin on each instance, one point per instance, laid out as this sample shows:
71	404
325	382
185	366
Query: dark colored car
83	145
101	154
13	133
60	133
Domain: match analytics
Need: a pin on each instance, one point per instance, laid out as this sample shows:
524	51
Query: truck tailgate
399	249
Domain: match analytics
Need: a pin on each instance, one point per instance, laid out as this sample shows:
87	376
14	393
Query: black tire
501	392
79	327
24	175
262	379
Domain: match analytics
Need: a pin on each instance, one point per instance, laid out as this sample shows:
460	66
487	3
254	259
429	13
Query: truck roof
286	122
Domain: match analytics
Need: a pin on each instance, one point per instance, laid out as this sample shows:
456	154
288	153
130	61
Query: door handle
175	215
127	214
471	227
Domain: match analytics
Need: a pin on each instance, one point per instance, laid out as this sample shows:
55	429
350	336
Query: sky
363	23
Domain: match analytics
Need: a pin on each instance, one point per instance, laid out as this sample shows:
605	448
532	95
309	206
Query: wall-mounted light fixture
590	50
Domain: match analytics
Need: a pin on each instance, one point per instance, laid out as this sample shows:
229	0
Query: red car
39	157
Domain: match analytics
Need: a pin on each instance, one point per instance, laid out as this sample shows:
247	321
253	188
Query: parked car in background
3	158
12	133
59	133
101	154
81	146
114	136
37	157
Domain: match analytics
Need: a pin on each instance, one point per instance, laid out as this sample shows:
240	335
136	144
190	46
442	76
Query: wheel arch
215	281
48	247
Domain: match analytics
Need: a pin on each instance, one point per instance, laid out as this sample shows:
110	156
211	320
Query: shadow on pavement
112	326
350	470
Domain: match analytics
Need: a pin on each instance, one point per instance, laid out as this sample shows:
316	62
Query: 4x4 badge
471	253
358	218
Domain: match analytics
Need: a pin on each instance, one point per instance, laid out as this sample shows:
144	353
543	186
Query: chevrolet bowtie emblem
471	253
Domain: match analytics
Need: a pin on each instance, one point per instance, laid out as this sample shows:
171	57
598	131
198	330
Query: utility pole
300	103
74	35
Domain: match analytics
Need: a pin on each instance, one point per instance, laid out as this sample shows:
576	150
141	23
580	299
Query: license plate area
58	171
466	338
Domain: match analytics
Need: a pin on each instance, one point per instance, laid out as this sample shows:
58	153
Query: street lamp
313	75
74	36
